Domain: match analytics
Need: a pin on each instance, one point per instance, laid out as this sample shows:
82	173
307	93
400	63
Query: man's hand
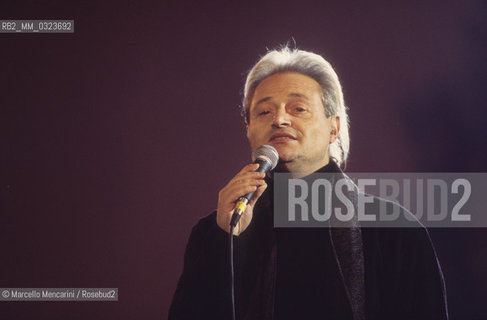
246	181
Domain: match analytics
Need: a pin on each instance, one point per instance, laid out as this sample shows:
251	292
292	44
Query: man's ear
334	128
247	128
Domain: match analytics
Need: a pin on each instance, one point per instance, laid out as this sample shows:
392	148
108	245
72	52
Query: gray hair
315	67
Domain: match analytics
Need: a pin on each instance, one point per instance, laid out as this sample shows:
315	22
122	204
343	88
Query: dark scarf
258	294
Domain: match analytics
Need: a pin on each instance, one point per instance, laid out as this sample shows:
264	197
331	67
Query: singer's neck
300	169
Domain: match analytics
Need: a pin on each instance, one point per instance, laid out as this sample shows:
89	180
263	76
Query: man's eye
300	109
264	112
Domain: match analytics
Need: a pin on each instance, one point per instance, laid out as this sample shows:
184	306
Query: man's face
287	112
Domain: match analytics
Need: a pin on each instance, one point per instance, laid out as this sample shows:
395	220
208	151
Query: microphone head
267	153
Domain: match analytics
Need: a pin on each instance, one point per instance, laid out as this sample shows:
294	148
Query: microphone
266	156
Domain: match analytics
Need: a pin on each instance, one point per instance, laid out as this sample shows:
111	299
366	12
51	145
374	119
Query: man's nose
281	118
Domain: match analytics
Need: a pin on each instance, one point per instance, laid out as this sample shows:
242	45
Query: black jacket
387	273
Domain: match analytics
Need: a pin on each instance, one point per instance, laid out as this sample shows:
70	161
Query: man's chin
285	152
285	158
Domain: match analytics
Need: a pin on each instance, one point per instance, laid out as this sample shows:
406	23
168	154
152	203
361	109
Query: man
293	101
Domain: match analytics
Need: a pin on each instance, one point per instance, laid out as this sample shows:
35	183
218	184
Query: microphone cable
267	157
232	276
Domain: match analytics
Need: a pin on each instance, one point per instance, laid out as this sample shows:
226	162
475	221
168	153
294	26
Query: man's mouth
281	137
